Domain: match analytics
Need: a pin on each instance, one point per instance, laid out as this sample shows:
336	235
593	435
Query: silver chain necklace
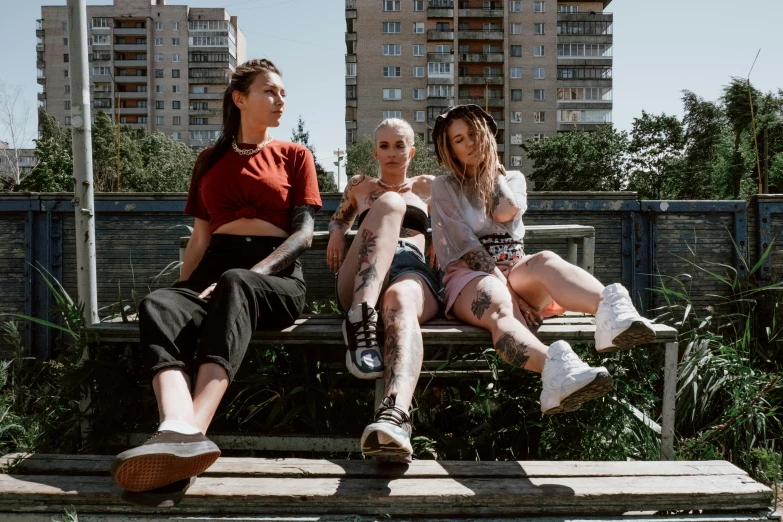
250	152
395	188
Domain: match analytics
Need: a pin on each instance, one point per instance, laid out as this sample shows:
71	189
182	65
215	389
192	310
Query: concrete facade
155	66
503	55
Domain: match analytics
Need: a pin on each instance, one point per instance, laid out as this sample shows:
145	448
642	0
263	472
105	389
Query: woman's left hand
531	315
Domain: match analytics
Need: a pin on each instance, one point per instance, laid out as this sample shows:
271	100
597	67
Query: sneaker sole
371	445
637	334
598	387
352	368
157	465
153	499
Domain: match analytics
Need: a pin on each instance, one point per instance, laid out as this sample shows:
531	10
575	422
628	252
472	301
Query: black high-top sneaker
390	432
363	357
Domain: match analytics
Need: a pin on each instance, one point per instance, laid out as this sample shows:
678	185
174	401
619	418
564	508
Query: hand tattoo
511	351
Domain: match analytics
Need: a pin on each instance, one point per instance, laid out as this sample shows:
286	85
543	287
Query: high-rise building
154	66
538	66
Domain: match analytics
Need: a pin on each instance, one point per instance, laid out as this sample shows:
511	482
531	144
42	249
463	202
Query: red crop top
267	185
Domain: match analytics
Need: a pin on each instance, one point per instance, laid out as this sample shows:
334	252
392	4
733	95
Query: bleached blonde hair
399	124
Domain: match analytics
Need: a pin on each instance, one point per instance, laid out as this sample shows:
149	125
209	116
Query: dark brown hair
241	81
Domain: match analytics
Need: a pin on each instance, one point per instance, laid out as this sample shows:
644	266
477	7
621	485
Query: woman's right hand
335	252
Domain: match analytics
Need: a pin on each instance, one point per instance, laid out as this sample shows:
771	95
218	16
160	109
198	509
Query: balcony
39	48
41	95
350	13
39	23
40	64
481	79
130	63
136	125
439	12
100	78
440	57
207	126
135	31
210	81
39	33
481	35
129	79
481	102
585	17
350	37
206	112
481	13
127	111
41	79
481	58
434	35
205	95
128	47
132	95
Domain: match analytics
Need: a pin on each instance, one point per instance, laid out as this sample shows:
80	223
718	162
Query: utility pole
765	166
83	196
339	153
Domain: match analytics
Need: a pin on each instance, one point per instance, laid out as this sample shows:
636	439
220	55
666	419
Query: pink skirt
458	278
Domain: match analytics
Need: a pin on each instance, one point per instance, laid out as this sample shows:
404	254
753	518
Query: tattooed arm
341	221
504	201
301	239
479	259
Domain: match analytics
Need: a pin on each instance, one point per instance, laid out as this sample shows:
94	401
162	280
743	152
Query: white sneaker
567	381
618	325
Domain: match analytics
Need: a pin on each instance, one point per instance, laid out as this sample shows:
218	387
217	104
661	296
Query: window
100	71
516	28
516	117
538	137
176	104
158	42
176	136
175	41
158	73
538	94
158	88
199	106
175	57
67	120
419	116
440	91
516	72
66	72
176	88
418	94
391	28
392	114
159	26
418	27
65	41
101	23
443	49
538	28
158	57
142	119
392	94
350	92
436	68
516	139
159	120
391	5
585	116
443	27
350	69
538	73
418	5
538	50
392	72
67	89
159	105
175	26
99	39
418	72
176	120
585	50
515	6
538	7
67	105
516	50
584	94
65	58
175	73
538	117
568	8
392	50
516	94
418	50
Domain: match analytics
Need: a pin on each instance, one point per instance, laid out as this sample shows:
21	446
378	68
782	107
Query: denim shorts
408	259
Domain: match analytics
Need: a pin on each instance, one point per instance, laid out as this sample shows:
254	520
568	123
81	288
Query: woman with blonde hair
385	268
490	282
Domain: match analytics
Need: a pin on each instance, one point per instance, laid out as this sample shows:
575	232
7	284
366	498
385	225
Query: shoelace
389	412
571	361
365	331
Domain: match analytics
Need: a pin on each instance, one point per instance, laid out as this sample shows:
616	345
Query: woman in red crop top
386	263
253	200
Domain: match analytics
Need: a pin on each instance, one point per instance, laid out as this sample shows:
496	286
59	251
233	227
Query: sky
661	47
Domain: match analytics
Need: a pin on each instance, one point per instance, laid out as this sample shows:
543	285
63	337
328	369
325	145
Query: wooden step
234	486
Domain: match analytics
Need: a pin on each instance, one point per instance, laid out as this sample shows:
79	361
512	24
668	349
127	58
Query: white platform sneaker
618	325
567	381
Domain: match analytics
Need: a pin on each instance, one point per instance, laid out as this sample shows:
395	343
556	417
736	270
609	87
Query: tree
580	160
54	172
656	157
736	102
14	119
326	182
360	159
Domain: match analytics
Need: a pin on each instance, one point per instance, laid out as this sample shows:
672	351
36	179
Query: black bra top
415	219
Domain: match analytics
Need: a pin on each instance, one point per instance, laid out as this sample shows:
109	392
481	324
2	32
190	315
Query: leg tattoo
511	351
403	351
366	247
483	300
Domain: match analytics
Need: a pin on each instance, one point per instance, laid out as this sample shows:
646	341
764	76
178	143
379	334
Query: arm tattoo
511	351
503	196
366	247
301	239
483	299
346	212
479	259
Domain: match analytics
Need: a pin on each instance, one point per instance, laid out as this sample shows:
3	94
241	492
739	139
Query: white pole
83	197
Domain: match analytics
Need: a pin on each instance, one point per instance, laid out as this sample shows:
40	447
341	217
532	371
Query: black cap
455	112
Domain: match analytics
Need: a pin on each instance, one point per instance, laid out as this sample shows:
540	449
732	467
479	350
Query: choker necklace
395	188
249	152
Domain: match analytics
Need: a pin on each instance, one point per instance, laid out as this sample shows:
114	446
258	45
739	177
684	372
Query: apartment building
152	65
538	66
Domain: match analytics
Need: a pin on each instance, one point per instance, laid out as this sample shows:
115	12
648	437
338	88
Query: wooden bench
287	490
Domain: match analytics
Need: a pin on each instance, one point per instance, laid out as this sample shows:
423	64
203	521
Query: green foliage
656	167
361	160
326	182
580	160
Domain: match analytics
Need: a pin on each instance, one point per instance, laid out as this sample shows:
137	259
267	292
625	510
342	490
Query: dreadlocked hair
480	187
241	81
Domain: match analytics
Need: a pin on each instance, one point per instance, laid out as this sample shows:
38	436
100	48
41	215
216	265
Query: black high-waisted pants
178	329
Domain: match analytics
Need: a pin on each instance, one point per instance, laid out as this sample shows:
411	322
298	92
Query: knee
151	305
543	258
233	278
390	203
403	296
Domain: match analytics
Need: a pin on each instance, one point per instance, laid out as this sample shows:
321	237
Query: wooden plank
98	465
152	517
405	496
